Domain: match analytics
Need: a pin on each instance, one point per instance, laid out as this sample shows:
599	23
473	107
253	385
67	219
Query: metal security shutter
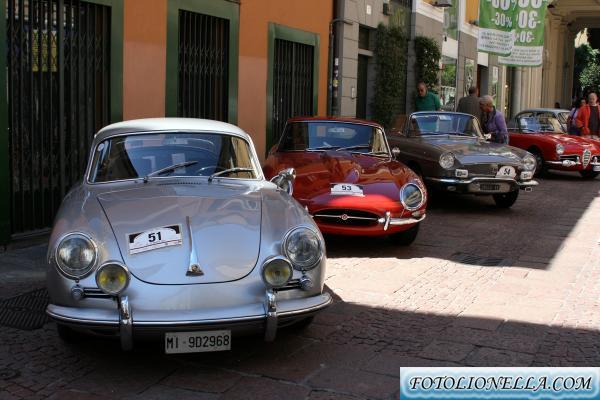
203	66
293	65
58	95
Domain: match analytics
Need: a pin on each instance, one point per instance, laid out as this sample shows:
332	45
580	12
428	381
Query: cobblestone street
480	286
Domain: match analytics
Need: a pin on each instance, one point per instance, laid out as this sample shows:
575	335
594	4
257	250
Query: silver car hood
225	224
473	151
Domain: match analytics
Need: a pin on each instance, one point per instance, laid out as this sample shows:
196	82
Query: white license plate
197	342
346	189
506	172
596	167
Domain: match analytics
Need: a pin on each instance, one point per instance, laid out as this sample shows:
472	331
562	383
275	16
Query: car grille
587	156
486	169
346	217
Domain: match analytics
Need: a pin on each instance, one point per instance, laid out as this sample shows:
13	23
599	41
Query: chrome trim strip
528	183
564	163
194	268
125	324
386	223
406	221
271	313
347	217
472	180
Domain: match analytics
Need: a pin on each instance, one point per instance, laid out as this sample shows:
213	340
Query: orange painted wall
144	58
472	10
255	15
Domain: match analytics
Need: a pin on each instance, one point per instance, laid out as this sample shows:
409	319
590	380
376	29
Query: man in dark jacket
470	103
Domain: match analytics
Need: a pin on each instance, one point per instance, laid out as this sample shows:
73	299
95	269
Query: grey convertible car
449	151
174	233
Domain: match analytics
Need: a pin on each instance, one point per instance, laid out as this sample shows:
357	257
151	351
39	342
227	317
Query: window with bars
293	69
203	66
58	66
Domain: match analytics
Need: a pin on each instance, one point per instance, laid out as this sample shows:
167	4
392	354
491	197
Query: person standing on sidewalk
588	117
426	100
470	104
493	120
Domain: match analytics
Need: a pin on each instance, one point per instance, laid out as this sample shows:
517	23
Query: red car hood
316	171
576	142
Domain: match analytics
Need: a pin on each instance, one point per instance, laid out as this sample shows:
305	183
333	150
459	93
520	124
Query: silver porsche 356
174	233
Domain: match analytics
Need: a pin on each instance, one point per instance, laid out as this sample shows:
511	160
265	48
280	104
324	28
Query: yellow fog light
112	278
276	272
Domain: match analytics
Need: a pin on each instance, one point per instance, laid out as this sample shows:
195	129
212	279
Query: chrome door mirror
395	152
285	180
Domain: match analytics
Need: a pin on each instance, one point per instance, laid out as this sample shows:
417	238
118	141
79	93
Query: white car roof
168	124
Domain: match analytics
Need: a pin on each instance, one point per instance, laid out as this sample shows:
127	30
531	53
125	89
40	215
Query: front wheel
506	200
589	174
540	168
406	237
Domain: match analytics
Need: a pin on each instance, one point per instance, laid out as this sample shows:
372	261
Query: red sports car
543	137
347	179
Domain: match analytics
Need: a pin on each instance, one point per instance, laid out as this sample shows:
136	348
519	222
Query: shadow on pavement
351	351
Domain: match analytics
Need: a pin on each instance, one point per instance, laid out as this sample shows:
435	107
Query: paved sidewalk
480	287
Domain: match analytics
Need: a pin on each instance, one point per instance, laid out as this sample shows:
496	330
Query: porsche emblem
194	270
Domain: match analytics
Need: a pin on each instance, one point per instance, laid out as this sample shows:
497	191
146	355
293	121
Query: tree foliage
586	70
427	65
390	81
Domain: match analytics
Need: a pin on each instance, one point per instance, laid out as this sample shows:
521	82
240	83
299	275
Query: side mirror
395	152
285	180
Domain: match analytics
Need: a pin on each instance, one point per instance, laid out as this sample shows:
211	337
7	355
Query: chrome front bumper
466	183
124	319
386	221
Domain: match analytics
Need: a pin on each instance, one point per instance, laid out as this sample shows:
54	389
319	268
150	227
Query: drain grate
471	259
26	311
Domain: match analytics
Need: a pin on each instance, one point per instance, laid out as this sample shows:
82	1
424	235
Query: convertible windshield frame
450	115
255	164
375	128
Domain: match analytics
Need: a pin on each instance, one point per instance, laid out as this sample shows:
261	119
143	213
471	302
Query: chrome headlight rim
445	165
423	196
119	264
284	249
560	149
529	163
63	269
270	260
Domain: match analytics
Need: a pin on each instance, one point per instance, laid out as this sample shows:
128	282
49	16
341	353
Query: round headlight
76	255
276	272
302	246
411	196
447	160
560	148
529	162
112	278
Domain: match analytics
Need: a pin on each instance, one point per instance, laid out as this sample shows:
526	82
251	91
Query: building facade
74	66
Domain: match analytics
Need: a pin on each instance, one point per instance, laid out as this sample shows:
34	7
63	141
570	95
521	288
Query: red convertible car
553	149
347	179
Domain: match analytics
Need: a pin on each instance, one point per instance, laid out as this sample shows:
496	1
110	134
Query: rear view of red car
347	179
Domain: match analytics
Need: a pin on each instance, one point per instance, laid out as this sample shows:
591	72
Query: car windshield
340	136
563	116
172	154
444	124
540	123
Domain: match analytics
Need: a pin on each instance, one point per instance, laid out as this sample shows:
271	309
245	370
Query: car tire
589	174
406	237
67	334
540	169
506	200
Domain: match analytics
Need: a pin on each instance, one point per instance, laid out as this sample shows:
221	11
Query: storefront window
448	88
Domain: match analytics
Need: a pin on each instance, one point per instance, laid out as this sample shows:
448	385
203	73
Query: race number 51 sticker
155	238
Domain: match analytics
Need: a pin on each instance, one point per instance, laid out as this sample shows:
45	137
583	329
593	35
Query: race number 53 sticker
155	238
346	189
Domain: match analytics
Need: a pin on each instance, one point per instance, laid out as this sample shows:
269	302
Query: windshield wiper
355	147
328	147
170	168
229	171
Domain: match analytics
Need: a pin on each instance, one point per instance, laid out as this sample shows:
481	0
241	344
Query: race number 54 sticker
155	238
